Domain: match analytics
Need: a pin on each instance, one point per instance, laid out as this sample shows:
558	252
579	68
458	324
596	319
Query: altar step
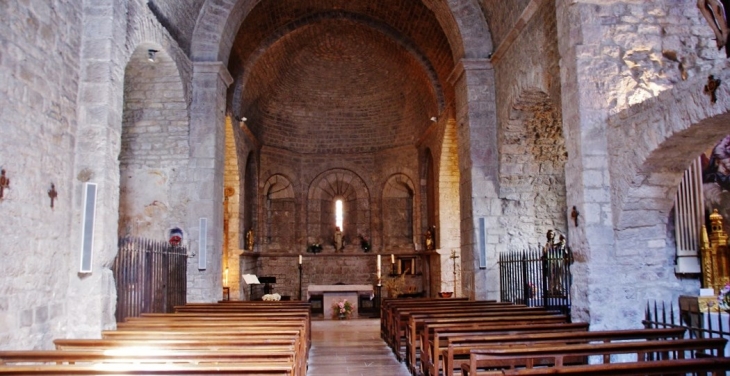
351	347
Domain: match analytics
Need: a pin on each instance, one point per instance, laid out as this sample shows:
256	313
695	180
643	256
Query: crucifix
453	257
4	183
52	194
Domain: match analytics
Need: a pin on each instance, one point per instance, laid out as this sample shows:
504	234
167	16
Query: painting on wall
716	180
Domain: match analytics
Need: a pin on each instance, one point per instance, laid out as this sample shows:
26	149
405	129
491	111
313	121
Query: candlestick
392	259
300	259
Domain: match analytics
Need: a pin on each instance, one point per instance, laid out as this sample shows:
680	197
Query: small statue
249	240
338	239
429	240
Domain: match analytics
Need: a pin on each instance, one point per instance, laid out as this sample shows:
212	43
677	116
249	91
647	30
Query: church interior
288	147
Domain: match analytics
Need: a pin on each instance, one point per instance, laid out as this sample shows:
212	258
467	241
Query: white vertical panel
87	227
203	244
688	218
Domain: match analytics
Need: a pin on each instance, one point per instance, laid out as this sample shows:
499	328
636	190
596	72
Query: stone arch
650	147
154	145
399	210
323	191
532	170
218	24
383	28
279	209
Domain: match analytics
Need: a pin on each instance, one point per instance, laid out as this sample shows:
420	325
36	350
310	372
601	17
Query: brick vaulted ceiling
307	69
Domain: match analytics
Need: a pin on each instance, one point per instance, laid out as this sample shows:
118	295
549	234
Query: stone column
476	119
205	178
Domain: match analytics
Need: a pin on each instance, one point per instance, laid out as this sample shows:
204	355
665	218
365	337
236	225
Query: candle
392	259
378	267
300	259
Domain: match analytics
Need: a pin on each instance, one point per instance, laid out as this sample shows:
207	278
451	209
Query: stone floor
351	347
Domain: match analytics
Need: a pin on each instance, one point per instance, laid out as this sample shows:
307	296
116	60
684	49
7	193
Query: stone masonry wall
620	55
532	154
39	71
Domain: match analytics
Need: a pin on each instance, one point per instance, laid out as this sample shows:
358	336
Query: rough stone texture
339	95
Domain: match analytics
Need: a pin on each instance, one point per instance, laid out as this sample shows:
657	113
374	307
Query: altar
335	293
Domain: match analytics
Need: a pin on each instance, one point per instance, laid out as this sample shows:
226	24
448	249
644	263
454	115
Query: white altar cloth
335	293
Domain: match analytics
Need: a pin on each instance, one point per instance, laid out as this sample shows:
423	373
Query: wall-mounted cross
52	194
4	183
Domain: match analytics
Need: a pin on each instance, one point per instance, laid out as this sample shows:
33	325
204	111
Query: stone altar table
335	293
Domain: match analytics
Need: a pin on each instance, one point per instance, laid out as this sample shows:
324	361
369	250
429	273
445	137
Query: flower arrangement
723	300
342	309
271	297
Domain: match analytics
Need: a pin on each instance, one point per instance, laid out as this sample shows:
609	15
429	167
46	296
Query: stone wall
40	70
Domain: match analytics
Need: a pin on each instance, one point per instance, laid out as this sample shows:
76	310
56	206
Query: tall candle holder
300	277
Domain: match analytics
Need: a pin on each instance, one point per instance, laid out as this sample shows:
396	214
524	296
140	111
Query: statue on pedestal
249	240
338	239
429	240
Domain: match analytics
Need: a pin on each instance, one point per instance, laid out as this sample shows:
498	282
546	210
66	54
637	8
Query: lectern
267	281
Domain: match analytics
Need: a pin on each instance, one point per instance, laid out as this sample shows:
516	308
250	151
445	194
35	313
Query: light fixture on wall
151	55
241	118
434	119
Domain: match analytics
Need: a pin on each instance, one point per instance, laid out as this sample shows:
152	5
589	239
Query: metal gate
538	277
150	276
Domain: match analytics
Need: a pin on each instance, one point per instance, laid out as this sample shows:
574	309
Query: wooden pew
258	369
461	346
241	355
714	366
401	316
417	321
431	352
556	355
397	316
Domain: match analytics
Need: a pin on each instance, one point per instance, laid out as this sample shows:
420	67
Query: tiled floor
351	347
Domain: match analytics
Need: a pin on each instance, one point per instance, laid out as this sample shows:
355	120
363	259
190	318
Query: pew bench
458	348
501	357
431	352
418	321
702	366
260	369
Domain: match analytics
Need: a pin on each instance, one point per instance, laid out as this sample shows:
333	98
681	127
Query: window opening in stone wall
339	214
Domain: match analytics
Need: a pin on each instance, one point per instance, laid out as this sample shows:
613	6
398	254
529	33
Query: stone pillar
476	119
205	178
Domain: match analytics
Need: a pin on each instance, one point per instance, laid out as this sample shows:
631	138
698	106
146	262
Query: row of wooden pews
232	338
443	336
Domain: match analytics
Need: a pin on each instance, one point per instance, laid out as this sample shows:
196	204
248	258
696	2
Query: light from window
338	214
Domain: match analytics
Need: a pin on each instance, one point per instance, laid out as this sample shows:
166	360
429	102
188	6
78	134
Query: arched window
339	214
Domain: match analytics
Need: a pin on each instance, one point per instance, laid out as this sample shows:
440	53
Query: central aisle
351	347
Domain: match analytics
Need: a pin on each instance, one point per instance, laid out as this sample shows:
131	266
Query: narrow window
338	214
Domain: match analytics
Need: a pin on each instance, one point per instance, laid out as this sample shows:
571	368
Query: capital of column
213	67
467	65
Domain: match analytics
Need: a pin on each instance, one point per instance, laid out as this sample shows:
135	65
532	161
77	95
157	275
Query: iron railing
150	276
697	324
537	277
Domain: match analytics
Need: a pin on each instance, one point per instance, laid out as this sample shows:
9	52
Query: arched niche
154	145
279	208
324	191
398	211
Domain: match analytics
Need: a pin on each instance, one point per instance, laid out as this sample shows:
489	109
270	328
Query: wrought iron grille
697	324
537	277
150	276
